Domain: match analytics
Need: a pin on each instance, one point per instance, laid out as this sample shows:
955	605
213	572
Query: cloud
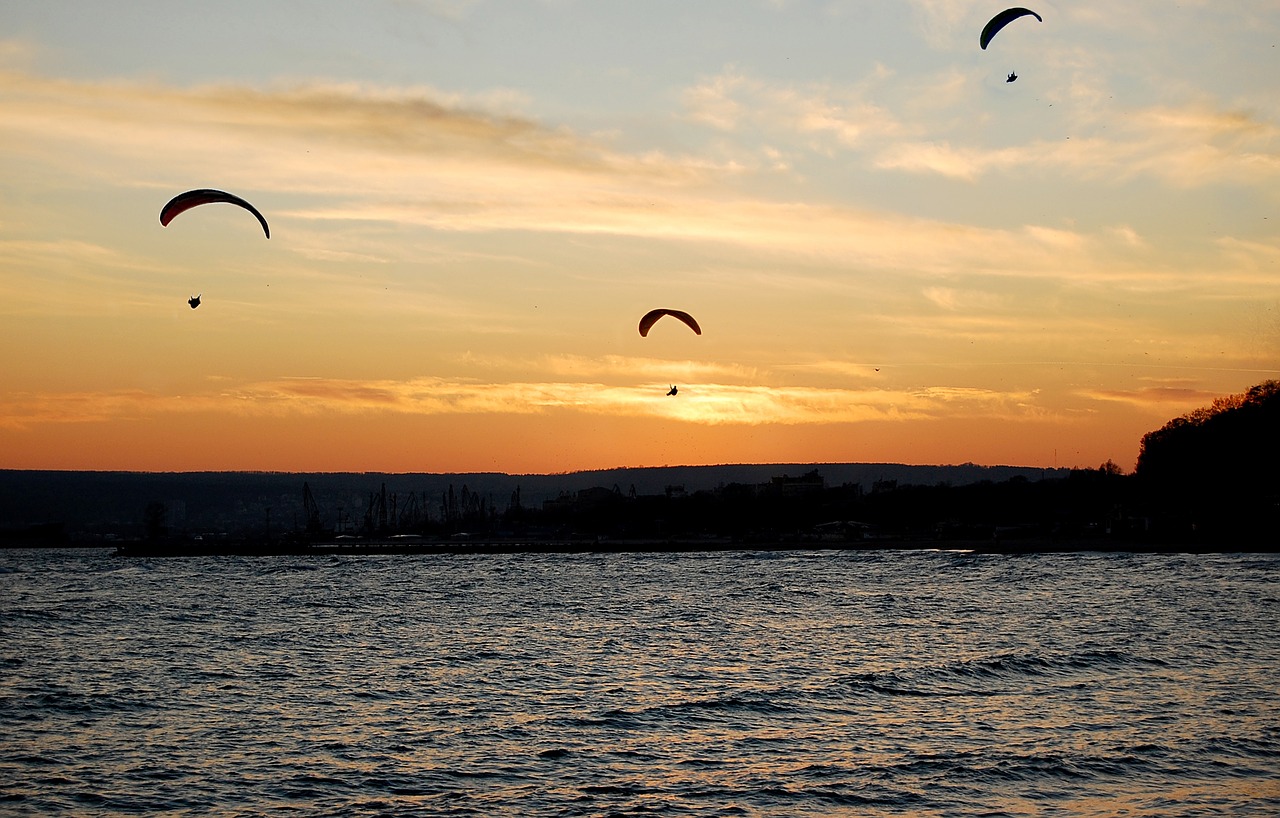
861	240
15	53
613	367
452	10
943	159
1127	236
1251	255
943	22
953	300
731	101
1186	147
712	102
271	129
40	276
842	369
938	123
372	156
1159	397
699	403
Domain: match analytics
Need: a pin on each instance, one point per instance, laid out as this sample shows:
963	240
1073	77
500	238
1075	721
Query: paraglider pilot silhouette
194	301
1012	77
673	390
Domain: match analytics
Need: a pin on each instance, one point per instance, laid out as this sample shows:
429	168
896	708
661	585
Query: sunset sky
894	254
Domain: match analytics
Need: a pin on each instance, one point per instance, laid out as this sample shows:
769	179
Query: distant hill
698	478
235	500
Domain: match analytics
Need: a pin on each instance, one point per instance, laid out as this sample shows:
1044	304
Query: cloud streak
733	101
705	404
1183	148
1191	145
414	157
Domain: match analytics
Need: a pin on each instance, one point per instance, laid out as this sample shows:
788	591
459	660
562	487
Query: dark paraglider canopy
653	315
194	301
1001	20
194	198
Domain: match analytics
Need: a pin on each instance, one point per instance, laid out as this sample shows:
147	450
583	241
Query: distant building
562	503
588	498
794	486
597	496
843	531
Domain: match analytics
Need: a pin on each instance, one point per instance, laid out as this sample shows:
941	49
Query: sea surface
921	683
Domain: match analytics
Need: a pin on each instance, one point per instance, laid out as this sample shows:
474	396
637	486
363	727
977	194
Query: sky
894	254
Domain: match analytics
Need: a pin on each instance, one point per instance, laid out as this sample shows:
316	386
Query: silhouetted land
1205	481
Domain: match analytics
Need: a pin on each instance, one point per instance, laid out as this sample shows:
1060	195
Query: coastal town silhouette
1196	485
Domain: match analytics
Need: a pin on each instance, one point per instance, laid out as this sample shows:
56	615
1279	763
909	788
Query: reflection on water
904	683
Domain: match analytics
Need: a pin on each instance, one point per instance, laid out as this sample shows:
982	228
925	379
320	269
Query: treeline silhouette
1213	472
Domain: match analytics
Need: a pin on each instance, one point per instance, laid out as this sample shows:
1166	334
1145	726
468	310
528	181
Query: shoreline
671	546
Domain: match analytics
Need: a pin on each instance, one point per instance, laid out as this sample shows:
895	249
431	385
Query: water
755	684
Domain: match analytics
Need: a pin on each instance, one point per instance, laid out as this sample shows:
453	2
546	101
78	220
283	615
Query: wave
977	677
32	615
731	708
39	703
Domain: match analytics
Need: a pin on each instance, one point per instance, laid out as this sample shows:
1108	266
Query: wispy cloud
614	367
1252	255
925	125
348	171
43	276
952	299
1159	396
15	53
416	157
447	9
732	100
943	22
272	129
706	404
1182	147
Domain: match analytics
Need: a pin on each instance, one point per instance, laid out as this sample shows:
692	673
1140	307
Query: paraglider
194	301
1012	77
1001	20
653	315
194	198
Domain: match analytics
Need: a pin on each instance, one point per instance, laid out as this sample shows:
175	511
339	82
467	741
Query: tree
1214	467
